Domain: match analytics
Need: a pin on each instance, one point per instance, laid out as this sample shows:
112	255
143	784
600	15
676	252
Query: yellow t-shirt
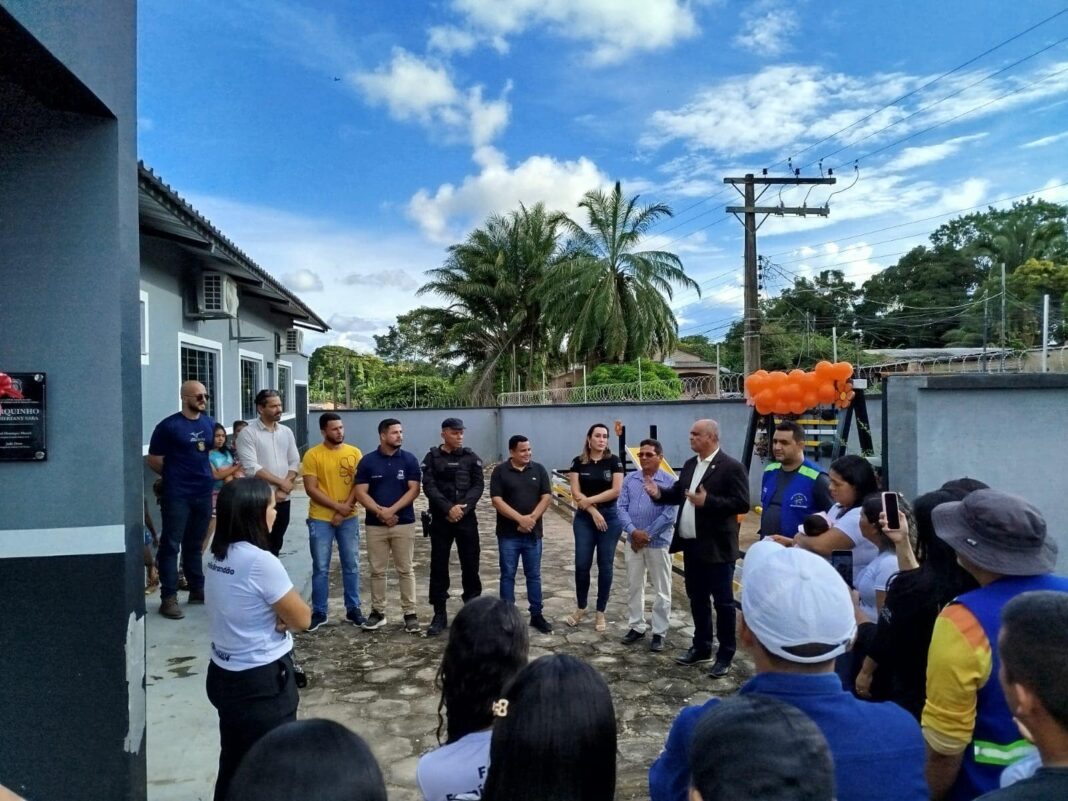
335	469
959	663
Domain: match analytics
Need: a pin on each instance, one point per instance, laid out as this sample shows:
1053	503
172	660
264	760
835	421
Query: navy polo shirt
184	445
387	477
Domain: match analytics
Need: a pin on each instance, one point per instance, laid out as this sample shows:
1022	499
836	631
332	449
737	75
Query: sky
345	145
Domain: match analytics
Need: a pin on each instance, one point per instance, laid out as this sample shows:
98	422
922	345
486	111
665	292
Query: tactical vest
996	741
453	472
798	496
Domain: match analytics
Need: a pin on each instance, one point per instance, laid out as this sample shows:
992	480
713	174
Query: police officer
453	483
793	487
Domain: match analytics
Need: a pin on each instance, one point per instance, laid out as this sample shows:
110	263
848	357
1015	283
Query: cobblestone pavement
381	684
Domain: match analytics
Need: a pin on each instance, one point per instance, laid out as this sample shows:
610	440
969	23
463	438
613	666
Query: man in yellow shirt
329	470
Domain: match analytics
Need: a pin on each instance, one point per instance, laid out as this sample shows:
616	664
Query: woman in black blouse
596	477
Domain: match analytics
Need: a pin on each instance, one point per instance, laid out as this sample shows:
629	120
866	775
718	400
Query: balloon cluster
796	392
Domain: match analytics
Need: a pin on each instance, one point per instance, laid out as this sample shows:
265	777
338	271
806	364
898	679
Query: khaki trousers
398	542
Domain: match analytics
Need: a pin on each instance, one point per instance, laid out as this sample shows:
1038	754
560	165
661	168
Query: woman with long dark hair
852	479
596	477
554	736
252	606
313	760
487	647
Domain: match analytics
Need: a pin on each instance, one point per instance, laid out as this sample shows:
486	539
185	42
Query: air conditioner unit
217	295
293	342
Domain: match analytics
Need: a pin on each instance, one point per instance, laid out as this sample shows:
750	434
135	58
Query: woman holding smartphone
596	477
252	606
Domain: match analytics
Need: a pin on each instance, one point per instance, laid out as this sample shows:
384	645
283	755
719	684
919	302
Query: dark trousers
185	522
278	530
442	535
250	704
708	584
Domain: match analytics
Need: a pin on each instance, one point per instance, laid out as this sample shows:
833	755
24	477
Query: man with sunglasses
648	527
179	451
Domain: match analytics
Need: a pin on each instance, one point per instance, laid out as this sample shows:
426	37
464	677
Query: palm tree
610	299
490	281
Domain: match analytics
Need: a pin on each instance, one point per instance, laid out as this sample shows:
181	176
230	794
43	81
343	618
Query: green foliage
658	380
342	376
699	345
413	339
411	391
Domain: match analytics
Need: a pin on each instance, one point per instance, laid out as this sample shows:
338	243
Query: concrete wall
1005	429
557	432
72	722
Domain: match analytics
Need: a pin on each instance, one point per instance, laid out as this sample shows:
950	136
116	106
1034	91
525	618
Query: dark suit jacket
727	495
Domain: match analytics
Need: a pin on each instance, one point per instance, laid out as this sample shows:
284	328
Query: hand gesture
895	535
582	502
456	512
651	488
779	538
286	485
337	518
697	498
598	520
526	524
863	684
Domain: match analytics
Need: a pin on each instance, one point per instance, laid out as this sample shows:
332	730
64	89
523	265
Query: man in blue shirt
796	617
387	482
648	527
179	451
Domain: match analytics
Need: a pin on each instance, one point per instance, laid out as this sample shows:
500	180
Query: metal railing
690	388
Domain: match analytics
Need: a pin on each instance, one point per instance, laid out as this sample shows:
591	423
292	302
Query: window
250	385
285	379
201	364
144	327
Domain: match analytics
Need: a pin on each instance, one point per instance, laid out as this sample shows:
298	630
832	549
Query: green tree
658	380
816	305
606	296
412	391
342	376
699	345
410	340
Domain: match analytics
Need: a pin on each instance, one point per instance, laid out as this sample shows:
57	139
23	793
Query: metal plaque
22	417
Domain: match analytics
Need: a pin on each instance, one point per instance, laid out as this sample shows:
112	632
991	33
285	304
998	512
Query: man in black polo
520	492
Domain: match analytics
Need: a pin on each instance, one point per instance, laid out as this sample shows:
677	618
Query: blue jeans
511	549
587	540
321	536
185	522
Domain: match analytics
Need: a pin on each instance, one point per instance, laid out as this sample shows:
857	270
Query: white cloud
1046	140
499	188
401	279
912	157
303	281
766	27
286	244
614	28
447	39
421	90
351	324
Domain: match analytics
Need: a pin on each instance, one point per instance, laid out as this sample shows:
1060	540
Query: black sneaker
317	620
632	637
355	617
657	645
721	668
374	621
693	657
411	623
438	624
541	624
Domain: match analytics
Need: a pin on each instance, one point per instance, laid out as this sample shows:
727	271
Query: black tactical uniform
451	478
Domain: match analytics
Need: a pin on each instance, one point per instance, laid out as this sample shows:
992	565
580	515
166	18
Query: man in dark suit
712	490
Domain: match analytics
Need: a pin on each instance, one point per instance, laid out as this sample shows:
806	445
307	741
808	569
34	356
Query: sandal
599	622
575	617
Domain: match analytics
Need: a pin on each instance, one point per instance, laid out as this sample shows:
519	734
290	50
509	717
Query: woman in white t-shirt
852	479
871	582
487	647
252	606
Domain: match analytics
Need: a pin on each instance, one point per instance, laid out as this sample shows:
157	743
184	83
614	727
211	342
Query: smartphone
842	561
893	517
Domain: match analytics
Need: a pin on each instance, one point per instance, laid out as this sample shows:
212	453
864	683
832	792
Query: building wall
1006	430
72	604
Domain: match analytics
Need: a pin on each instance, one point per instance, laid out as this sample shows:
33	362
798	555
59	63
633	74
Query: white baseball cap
795	602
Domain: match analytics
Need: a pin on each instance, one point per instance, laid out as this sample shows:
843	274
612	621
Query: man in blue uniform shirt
792	487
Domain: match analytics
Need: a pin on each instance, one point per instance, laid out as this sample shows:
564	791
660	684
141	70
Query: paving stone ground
381	684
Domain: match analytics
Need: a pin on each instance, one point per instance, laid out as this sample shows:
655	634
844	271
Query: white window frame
145	347
206	344
290	391
252	356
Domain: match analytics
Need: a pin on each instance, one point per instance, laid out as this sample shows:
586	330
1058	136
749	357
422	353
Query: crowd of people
908	654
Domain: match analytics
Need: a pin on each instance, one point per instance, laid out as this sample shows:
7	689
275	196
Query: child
237	428
224	467
814	525
151	545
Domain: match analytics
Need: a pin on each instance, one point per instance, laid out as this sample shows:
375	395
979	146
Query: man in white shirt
268	450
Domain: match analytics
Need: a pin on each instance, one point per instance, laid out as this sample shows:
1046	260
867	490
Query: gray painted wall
70	547
557	432
1005	429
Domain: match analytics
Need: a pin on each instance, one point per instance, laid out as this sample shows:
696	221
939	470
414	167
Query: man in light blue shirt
648	527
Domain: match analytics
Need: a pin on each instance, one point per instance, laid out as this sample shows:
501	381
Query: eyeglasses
647	455
201	397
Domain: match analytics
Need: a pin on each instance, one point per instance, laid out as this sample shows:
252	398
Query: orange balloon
810	382
797	376
763	409
798	407
843	371
825	370
826	393
766	400
789	393
811	400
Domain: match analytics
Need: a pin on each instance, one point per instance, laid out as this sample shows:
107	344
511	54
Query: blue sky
344	145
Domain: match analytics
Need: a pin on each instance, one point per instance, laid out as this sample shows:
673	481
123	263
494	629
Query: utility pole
751	336
1003	305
